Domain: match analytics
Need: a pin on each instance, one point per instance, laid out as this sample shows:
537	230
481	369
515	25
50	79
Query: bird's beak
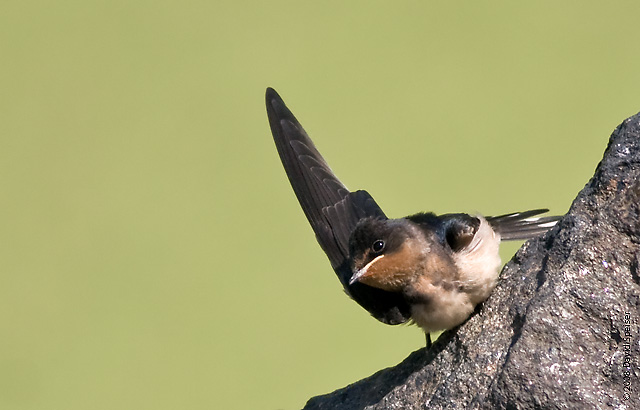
360	273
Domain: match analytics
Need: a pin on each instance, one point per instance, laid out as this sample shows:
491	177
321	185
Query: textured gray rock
562	328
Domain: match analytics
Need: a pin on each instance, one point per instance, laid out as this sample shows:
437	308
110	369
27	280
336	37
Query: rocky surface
562	328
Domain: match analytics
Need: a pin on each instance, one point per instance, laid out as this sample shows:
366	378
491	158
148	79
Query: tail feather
522	225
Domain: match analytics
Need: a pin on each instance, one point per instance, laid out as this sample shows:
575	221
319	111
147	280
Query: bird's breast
447	295
479	263
440	307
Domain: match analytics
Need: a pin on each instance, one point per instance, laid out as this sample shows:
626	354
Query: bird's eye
377	246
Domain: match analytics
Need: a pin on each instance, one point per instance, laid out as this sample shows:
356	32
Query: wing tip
271	94
276	108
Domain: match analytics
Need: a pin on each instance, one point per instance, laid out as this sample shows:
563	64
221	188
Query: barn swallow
428	269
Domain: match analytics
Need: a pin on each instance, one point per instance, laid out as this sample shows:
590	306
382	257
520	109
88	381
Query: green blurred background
153	255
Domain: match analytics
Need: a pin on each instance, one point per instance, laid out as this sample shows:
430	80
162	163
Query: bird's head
385	253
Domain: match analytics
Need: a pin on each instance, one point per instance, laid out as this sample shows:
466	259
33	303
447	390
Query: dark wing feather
522	225
332	210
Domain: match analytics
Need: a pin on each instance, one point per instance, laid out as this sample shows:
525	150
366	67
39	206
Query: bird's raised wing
332	210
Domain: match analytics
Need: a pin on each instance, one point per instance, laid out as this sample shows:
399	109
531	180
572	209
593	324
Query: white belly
450	304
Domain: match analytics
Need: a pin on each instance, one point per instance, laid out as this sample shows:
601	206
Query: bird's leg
428	337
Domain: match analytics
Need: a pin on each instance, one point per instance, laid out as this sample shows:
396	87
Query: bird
424	269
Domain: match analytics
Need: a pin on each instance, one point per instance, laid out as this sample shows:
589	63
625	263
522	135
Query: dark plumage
332	210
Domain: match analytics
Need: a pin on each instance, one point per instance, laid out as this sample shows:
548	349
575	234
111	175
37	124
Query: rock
562	328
